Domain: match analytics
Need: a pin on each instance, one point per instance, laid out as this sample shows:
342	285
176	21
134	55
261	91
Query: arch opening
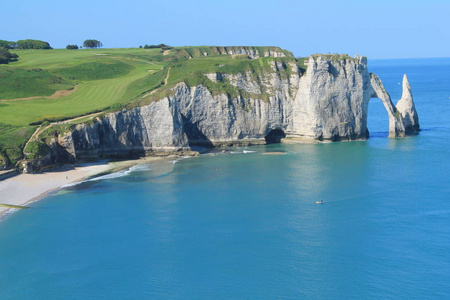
377	119
275	136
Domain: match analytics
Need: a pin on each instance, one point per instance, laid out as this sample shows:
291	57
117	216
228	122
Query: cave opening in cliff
275	136
196	139
377	119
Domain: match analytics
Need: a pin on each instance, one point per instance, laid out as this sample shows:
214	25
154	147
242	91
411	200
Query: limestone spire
406	93
407	109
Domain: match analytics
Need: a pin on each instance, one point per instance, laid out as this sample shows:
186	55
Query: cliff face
332	100
155	127
328	102
250	51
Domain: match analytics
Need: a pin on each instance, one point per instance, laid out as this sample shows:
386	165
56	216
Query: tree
7	44
32	44
92	44
6	56
71	47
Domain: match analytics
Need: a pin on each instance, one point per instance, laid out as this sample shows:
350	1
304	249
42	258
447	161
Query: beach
25	188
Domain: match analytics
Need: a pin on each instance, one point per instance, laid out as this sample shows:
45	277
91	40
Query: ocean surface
244	225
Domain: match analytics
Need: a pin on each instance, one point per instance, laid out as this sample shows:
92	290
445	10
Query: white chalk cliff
327	102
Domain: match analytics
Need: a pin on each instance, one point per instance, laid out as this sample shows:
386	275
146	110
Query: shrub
6	56
32	44
162	46
92	44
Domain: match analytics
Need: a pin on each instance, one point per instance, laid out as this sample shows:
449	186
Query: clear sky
374	28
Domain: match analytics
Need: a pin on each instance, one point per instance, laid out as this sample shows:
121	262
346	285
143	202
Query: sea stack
407	109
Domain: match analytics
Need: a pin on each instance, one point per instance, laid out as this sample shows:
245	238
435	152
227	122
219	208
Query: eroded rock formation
328	102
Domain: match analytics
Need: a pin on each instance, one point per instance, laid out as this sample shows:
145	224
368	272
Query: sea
244	224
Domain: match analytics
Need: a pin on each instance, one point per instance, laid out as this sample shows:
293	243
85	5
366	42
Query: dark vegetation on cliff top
54	85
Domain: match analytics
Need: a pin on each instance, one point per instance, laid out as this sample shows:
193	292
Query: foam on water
180	159
103	177
119	174
7	212
141	168
242	152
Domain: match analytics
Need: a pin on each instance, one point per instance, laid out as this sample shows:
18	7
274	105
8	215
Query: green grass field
96	80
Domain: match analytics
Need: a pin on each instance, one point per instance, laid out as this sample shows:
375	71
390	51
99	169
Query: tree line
6	56
86	44
5	46
25	44
162	46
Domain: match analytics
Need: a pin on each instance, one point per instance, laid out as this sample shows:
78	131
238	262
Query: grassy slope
105	78
21	82
12	140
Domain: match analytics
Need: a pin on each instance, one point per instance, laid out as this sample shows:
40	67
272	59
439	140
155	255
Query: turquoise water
245	225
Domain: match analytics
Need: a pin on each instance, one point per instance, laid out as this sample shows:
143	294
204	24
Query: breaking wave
122	173
177	160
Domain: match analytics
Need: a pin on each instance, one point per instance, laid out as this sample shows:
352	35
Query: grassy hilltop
46	86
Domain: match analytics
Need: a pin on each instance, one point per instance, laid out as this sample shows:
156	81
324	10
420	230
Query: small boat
319	202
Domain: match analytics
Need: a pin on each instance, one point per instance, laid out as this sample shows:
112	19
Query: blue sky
374	28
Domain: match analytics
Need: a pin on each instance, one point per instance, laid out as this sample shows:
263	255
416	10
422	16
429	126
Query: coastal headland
128	103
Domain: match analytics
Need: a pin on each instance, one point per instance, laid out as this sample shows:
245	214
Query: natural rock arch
403	118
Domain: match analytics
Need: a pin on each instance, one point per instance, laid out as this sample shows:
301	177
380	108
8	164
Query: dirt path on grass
77	118
167	77
165	83
36	133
